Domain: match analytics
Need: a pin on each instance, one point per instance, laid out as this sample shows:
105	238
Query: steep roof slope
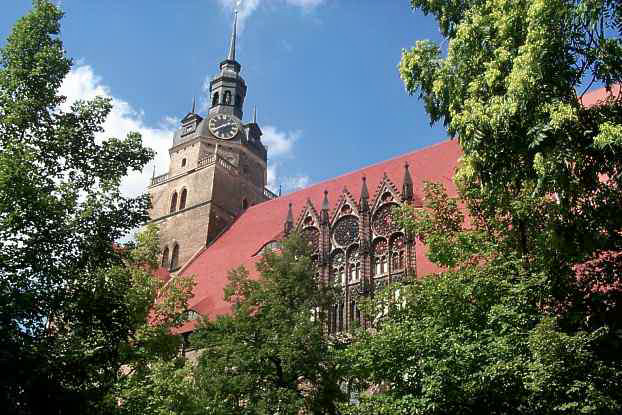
264	222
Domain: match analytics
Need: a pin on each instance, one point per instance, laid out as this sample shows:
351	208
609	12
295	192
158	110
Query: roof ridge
359	170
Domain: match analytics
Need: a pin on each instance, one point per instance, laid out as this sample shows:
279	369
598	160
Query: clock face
223	126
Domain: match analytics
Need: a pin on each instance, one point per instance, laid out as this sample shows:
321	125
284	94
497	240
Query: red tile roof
264	222
596	96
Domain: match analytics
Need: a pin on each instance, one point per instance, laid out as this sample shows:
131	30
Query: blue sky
323	74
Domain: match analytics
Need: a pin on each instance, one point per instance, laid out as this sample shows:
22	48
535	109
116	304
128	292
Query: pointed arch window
354	265
338	268
380	260
175	258
227	100
215	99
165	258
398	254
355	313
182	199
174	202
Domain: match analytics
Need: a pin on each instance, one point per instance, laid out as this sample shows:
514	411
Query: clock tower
218	168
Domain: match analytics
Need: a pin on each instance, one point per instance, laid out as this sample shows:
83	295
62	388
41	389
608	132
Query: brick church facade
215	213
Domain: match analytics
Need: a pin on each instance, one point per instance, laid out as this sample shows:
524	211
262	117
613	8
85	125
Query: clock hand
223	126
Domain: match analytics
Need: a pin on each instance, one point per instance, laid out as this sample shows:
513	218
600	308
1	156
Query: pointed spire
407	186
280	189
234	34
289	222
255	114
324	219
364	202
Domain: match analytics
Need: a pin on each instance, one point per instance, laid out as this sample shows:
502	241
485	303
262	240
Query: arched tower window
244	204
165	258
182	199
175	258
174	202
227	100
215	99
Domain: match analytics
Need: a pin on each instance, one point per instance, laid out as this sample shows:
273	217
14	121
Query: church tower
218	168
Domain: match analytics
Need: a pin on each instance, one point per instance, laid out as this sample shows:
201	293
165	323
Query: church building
216	214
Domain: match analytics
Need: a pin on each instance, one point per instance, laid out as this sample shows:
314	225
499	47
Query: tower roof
234	34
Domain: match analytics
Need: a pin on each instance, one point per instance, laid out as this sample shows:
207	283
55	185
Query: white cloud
83	84
281	146
247	7
280	143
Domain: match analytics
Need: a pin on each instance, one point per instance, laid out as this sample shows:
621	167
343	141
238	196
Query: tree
68	298
272	354
480	338
153	377
526	318
511	88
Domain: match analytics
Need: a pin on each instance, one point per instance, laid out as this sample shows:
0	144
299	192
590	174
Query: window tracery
383	222
338	268
380	261
346	231
312	236
354	265
398	253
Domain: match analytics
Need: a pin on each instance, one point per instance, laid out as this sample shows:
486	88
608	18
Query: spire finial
289	222
407	186
324	217
194	104
364	202
255	114
231	56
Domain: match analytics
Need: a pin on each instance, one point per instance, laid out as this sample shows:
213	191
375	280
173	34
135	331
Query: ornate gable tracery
308	225
361	250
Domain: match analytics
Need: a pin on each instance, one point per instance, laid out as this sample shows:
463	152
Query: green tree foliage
73	305
481	338
527	318
153	378
510	86
272	354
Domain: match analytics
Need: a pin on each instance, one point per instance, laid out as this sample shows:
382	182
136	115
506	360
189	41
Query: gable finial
289	222
324	219
234	34
364	202
407	185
